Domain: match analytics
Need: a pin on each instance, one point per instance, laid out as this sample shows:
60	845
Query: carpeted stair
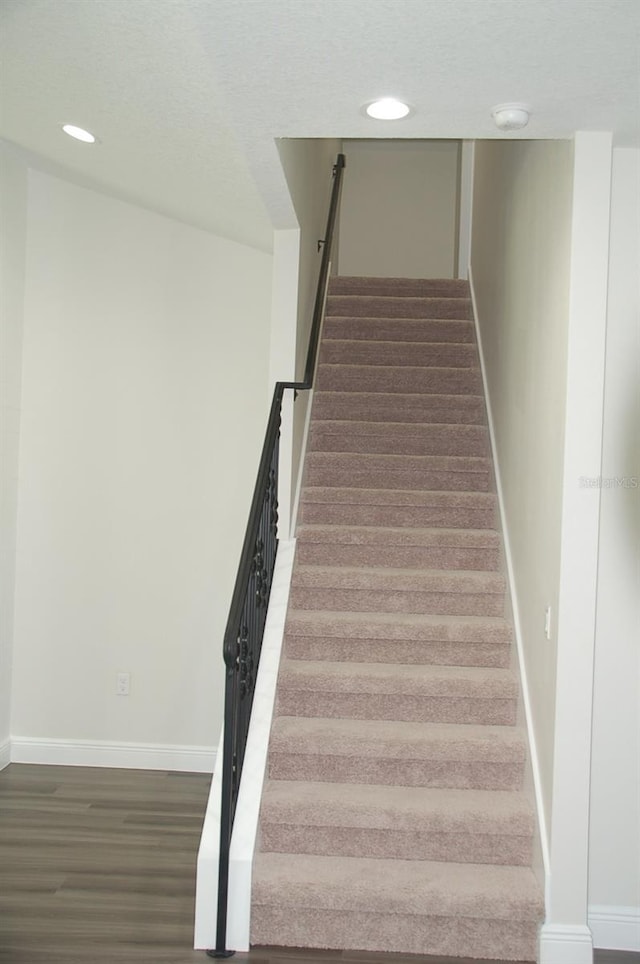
393	817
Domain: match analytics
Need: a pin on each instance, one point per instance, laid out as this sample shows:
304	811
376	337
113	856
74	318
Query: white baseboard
565	944
5	754
615	928
137	756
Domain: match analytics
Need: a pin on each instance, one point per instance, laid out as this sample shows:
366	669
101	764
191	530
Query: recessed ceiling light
511	117
387	108
79	133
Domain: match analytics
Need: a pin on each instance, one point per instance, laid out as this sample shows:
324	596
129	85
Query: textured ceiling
187	96
135	73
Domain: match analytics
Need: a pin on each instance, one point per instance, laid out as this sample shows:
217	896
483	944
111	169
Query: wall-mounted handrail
327	244
242	641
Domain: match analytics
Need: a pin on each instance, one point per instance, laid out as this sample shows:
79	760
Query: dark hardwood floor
280	956
97	866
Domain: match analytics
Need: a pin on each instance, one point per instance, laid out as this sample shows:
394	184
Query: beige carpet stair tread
403	379
383	536
428	354
397	507
404	887
400	580
398	497
372	406
434	287
399	438
392	691
400	407
453	330
452	463
394	471
397	740
397	808
387	589
399	547
440	681
406	823
398	637
337	439
392	305
398	429
399	626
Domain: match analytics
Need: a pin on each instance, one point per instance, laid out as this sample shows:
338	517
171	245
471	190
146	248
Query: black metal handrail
248	612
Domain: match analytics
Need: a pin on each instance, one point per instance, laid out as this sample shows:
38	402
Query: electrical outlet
122	684
547	622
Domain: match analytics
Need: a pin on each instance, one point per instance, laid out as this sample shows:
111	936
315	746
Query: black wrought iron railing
248	613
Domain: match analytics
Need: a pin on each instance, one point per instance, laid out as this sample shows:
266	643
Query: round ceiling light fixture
387	108
79	133
511	117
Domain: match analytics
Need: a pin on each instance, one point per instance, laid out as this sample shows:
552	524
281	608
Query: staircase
393	817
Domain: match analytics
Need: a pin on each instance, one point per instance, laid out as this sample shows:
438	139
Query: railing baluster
248	613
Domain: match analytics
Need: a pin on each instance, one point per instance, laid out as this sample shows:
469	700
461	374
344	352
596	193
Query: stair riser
400	557
382	380
375	306
394	651
437	773
359	472
399	329
400	287
375	353
425	409
404	516
410	709
444	936
498	847
337	438
362	600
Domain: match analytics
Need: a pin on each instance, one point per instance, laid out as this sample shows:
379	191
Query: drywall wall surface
400	209
307	165
13	221
522	208
614	859
143	410
282	352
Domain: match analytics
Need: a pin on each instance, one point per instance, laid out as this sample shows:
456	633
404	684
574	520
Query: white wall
307	165
13	219
143	410
400	209
520	268
282	358
543	219
614	860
